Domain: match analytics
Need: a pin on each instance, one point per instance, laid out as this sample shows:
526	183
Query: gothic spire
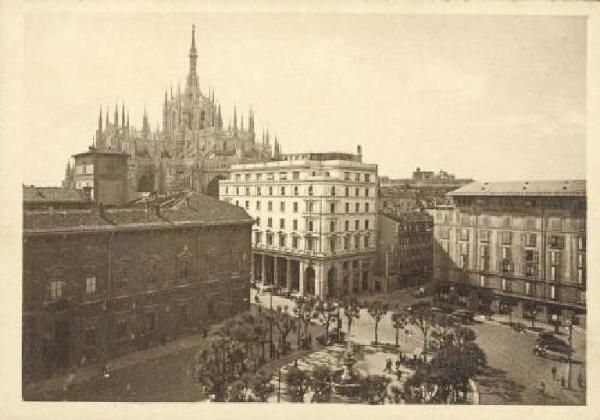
242	122
192	86
123	114
234	118
127	119
116	115
100	120
251	121
107	116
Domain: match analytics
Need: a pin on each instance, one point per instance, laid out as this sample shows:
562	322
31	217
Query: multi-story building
524	241
315	221
101	282
404	247
426	189
192	150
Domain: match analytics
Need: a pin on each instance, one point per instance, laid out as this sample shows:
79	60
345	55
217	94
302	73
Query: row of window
554	224
295	175
282	191
309	207
506	238
530	288
310	224
311	244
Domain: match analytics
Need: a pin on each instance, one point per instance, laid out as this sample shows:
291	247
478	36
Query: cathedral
192	150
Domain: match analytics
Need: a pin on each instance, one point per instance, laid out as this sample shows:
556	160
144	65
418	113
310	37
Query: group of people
388	365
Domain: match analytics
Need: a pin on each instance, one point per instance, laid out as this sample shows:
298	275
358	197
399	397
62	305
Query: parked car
556	351
464	316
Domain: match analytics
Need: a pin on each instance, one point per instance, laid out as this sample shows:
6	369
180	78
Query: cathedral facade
192	150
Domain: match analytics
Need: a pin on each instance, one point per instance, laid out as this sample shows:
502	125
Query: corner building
103	282
315	221
523	241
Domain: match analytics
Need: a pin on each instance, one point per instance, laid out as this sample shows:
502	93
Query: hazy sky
480	96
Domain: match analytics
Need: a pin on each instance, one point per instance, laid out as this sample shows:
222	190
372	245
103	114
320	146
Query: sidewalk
503	320
79	375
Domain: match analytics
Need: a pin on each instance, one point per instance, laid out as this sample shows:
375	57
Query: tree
326	313
377	310
422	317
298	383
373	389
321	380
216	363
285	324
351	311
305	311
262	387
398	322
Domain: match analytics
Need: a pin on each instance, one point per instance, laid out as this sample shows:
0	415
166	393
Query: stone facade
98	283
315	221
404	248
524	241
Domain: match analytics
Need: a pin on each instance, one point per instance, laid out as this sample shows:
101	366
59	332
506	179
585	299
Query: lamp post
570	325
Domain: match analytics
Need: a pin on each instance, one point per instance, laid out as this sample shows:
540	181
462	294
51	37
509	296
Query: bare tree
377	310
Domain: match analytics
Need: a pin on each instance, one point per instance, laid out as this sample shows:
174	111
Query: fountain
348	383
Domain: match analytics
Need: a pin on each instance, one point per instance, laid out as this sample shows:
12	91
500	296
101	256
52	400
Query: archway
331	286
309	279
212	189
146	183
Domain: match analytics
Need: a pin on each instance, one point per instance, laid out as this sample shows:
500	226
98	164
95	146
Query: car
549	338
464	316
265	288
559	352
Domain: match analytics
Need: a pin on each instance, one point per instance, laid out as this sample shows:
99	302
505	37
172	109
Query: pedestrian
580	379
554	372
541	388
398	363
388	365
562	381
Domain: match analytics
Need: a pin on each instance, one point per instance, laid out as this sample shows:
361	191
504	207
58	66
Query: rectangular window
504	285
121	328
258	205
332	208
150	321
258	191
90	335
530	239
506	238
581	243
445	233
282	191
270	190
552	292
269	239
247	190
464	234
258	221
346	242
347	176
332	226
309	244
258	177
295	175
366	224
346	225
295	207
482	281
269	222
57	289
295	190
282	176
484	236
367	177
281	223
257	237
357	225
310	190
527	288
356	208
90	285
366	241
556	242
333	191
366	207
332	244
270	176
310	207
247	205
270	206
282	241
366	192
347	207
282	206
294	242
295	224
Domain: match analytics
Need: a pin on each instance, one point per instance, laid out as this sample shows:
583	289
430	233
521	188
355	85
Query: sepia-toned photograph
343	208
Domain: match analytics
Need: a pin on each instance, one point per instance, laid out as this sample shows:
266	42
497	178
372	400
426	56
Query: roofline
99	152
134	227
519	193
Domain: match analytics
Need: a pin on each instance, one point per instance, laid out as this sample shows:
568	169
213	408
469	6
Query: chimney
359	152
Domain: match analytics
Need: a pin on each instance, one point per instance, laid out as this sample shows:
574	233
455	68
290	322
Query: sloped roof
562	188
32	194
197	209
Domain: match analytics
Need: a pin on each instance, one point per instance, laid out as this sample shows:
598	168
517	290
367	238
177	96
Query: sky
485	97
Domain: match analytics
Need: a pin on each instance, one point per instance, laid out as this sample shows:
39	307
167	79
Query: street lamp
570	325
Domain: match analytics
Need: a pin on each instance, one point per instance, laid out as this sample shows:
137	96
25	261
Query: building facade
425	189
523	241
102	282
404	248
192	150
315	221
